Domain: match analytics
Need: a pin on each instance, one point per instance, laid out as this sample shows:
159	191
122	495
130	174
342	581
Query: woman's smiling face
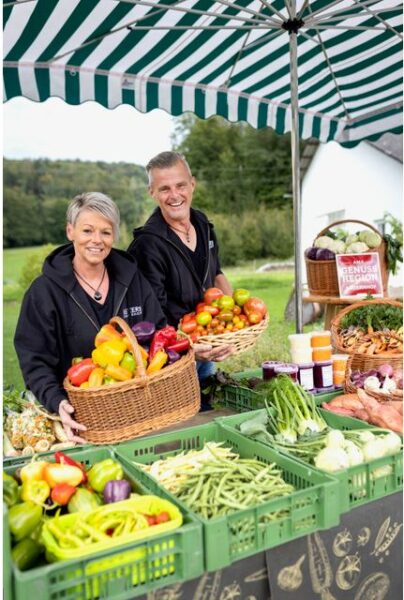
92	236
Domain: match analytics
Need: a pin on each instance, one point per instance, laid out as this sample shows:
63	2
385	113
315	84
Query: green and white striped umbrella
325	69
228	58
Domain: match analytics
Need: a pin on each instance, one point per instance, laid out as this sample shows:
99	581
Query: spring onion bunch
296	415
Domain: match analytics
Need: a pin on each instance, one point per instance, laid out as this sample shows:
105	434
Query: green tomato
203	318
226	303
240	296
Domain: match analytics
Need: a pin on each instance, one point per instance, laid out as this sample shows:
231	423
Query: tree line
243	179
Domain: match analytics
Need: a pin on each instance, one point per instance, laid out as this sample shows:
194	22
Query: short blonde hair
97	202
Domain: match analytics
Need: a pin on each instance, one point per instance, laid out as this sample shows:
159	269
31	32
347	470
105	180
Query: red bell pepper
179	345
64	459
62	492
162	339
80	372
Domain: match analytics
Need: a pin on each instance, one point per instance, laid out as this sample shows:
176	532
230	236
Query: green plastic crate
243	399
240	534
119	573
7	569
357	484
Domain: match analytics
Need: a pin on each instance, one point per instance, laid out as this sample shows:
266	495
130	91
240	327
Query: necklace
97	295
186	232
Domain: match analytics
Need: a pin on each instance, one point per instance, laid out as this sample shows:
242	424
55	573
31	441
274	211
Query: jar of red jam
268	369
287	369
322	373
306	376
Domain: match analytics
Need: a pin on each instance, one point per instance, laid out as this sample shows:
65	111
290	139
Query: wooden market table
333	305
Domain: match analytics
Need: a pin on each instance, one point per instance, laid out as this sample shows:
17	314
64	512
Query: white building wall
361	183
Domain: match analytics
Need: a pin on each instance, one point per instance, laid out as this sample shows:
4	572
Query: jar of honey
320	339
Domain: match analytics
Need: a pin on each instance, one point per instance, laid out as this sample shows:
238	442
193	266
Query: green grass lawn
273	287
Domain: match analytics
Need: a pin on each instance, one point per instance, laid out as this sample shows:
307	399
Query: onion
371	373
356	375
385	370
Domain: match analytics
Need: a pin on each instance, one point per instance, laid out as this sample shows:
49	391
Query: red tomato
188	317
255	305
194	337
212	294
200	307
213	310
244	318
162	517
237	310
189	326
151	519
254	317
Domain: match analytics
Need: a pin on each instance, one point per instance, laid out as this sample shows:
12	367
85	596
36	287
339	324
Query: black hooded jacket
57	322
169	270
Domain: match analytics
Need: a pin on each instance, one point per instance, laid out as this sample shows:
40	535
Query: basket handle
323	231
140	370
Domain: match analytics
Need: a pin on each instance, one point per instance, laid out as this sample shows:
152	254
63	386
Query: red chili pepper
180	345
80	373
64	459
162	339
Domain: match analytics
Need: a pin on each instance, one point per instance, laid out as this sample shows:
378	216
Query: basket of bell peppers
138	381
43	490
116	360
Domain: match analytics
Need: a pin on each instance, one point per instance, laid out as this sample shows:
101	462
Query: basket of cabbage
320	257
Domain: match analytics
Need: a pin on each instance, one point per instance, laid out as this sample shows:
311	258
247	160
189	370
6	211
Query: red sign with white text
359	275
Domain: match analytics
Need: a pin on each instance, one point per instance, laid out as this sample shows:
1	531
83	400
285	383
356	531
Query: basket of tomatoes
221	320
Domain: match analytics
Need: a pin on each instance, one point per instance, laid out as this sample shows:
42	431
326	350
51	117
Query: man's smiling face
173	188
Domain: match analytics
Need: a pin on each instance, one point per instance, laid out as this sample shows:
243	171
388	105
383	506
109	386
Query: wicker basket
322	278
336	329
242	340
350	387
122	411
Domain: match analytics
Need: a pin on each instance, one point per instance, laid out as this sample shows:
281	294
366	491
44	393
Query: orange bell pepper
56	473
158	362
96	377
118	373
106	333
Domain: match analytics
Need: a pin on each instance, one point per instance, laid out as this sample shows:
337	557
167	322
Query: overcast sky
54	129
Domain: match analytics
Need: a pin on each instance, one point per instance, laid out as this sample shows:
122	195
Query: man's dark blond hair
166	160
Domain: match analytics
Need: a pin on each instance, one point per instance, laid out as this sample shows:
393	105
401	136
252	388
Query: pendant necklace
97	295
186	232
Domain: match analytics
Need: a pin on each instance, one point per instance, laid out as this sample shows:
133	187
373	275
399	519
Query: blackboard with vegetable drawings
360	559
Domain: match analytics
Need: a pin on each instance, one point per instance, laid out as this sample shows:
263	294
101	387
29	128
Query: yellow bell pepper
106	333
96	377
109	353
84	385
158	362
118	373
33	470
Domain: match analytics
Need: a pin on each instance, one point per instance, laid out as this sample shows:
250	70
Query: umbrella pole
294	139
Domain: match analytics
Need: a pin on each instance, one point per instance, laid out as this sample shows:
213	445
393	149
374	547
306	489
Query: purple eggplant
144	331
173	356
116	490
325	254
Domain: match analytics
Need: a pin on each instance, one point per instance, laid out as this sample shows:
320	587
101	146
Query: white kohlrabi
355	454
332	459
335	439
392	443
373	449
365	436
